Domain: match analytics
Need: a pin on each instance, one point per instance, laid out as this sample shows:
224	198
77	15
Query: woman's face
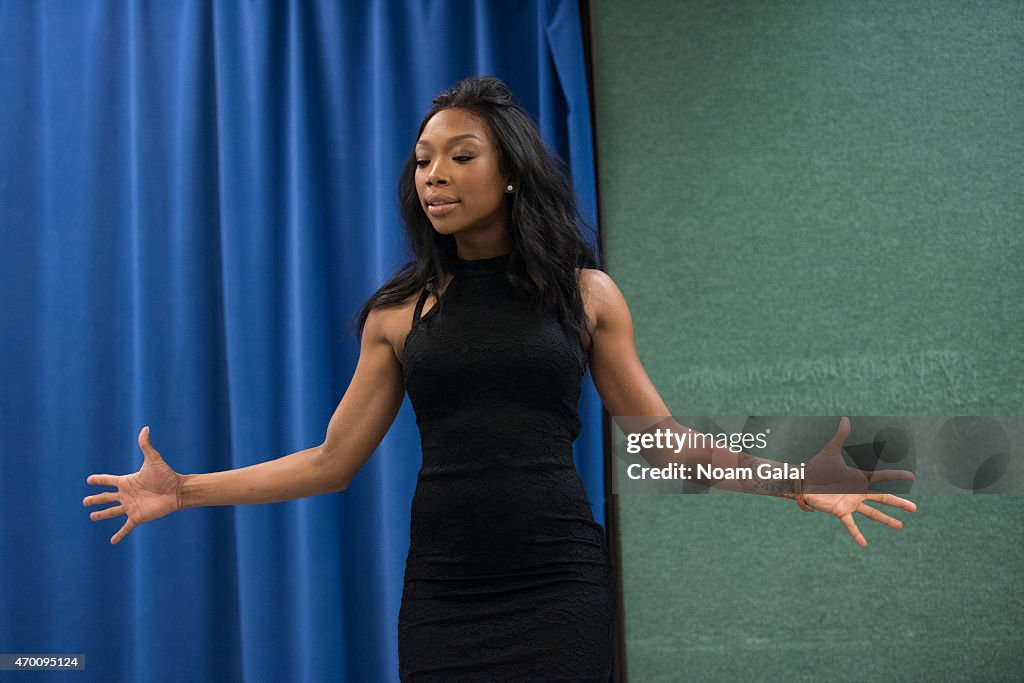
460	185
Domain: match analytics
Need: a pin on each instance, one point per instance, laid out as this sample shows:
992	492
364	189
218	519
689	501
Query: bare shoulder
601	296
595	280
381	322
392	323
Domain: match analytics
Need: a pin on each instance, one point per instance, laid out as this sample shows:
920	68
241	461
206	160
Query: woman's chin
441	228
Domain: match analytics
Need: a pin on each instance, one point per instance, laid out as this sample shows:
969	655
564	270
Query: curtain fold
196	198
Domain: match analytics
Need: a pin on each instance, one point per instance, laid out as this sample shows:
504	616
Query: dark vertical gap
611	507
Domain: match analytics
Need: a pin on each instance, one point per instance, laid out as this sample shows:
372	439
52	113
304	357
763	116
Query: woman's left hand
831	486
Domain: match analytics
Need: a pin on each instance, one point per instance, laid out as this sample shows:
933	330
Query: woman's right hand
148	494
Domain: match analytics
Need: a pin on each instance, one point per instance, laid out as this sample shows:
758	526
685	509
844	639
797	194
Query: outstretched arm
626	390
359	423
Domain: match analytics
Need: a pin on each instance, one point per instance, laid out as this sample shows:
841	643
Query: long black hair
546	227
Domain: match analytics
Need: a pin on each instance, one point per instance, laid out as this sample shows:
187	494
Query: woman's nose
436	175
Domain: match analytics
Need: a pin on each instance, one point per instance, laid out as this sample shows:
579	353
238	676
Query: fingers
879	516
895	501
99	498
842	432
124	531
851	526
107	513
876	515
146	445
111	479
888	475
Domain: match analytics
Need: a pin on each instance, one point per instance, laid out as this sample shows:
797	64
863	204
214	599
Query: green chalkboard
817	208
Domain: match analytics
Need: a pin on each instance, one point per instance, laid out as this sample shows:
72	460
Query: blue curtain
196	197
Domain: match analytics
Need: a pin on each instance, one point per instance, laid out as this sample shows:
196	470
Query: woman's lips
441	209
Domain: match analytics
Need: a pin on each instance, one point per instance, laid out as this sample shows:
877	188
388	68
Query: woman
489	330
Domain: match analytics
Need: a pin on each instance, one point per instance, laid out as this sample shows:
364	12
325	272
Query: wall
816	209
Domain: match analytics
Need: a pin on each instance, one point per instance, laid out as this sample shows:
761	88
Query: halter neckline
481	266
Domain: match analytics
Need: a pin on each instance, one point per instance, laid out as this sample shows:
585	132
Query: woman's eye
462	158
422	163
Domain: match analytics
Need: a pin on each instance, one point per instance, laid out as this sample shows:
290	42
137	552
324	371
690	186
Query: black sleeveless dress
508	576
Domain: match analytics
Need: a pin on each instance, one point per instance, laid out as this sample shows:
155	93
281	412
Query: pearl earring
508	189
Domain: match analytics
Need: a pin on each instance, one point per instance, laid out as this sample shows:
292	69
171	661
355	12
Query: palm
148	494
834	487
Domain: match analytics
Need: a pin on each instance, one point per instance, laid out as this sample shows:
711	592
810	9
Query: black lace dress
508	576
